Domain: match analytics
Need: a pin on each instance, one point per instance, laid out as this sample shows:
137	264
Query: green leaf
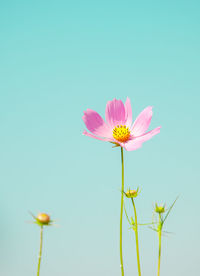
154	229
126	215
170	208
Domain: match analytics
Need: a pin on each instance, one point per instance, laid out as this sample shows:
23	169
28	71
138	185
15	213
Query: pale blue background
58	58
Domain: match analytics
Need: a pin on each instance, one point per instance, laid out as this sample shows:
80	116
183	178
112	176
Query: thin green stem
40	252
121	213
159	237
127	215
136	239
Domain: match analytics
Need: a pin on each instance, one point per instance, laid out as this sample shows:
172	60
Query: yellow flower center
121	133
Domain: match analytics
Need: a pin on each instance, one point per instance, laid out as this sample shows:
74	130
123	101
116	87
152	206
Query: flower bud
159	209
43	218
131	193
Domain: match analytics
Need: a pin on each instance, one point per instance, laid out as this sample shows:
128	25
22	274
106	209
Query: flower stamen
121	133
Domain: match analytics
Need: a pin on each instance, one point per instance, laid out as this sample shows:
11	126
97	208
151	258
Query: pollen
121	133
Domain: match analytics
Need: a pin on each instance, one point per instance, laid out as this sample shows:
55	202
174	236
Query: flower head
118	127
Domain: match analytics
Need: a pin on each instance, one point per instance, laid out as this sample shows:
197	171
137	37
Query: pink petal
95	123
142	122
115	113
103	139
128	111
137	142
134	146
95	137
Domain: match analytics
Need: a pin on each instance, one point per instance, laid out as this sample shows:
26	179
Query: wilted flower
118	128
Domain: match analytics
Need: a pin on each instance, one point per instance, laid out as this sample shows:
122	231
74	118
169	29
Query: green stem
121	213
40	253
136	238
159	251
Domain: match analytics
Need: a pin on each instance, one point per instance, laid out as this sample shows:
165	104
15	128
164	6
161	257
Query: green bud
159	209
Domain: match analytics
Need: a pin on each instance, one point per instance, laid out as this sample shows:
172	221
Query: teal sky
59	58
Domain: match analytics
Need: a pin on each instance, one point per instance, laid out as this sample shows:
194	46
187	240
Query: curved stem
121	213
159	251
136	238
40	253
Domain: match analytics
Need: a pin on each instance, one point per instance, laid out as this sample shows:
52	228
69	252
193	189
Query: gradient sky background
59	58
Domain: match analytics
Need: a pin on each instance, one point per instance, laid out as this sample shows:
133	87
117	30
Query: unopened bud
43	218
159	209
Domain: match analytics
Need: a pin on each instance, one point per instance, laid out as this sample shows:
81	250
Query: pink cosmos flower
118	128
